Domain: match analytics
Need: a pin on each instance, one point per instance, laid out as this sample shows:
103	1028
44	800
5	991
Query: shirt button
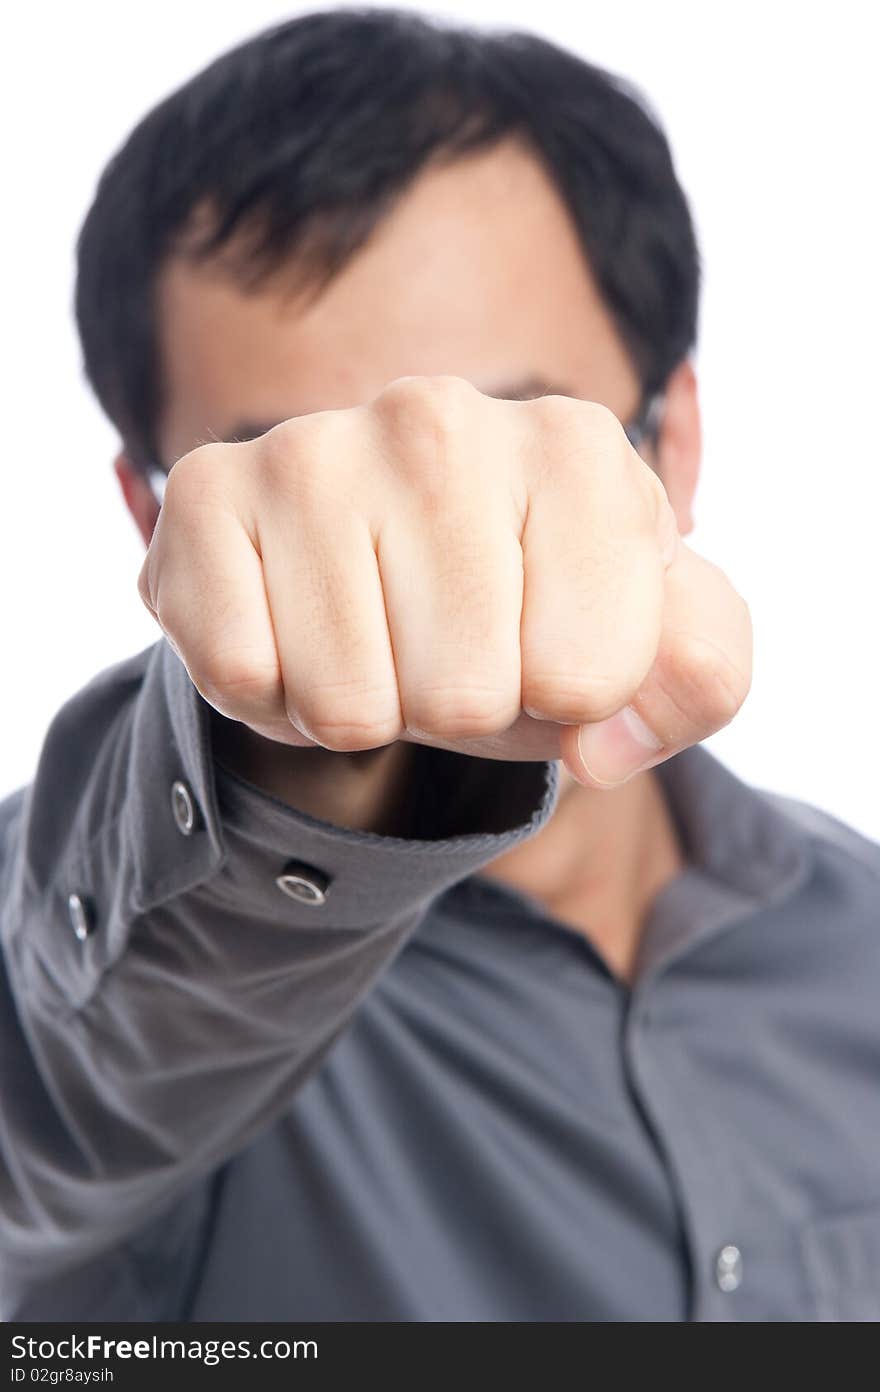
80	918
304	883
729	1268
183	807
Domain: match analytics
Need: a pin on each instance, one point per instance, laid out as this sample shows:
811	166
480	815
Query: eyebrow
525	390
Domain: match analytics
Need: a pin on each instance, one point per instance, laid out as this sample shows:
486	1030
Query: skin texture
477	275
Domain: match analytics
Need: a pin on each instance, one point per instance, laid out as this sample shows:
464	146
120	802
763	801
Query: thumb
606	753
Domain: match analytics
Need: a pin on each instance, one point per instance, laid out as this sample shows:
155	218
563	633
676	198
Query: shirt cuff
249	839
129	810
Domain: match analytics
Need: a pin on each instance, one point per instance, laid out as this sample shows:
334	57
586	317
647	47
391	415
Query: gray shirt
411	1093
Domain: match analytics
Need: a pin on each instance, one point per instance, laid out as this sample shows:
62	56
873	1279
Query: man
380	944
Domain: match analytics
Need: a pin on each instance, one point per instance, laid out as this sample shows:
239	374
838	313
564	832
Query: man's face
477	272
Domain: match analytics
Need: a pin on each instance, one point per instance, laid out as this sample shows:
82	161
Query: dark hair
303	137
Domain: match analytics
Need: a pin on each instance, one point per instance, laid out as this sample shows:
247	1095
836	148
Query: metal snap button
183	807
80	918
304	883
729	1268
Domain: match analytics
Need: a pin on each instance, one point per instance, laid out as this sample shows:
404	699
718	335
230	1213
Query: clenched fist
500	578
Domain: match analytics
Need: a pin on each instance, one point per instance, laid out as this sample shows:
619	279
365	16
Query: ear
139	497
680	444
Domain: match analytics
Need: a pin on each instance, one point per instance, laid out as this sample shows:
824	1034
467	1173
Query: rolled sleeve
151	1027
126	852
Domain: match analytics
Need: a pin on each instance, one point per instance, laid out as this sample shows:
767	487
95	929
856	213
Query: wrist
368	790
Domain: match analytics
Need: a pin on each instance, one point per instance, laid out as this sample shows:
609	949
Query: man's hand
490	577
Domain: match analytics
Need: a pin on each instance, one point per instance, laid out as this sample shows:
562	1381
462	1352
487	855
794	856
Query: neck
599	863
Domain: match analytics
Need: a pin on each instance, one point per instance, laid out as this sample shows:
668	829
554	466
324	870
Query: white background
772	112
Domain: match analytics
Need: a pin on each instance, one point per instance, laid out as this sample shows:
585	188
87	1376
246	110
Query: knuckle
429	392
283	456
460	711
575	419
424	420
587	444
235	681
307	462
554	409
195	475
559	417
607	430
562	442
709	688
346	731
571	698
348	716
430	405
591	420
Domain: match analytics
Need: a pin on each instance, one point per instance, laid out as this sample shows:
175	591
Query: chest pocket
842	1259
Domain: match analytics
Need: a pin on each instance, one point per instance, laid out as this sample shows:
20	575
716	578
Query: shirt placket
703	1172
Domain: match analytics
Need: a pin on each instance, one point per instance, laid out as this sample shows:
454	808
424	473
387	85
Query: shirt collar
743	853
